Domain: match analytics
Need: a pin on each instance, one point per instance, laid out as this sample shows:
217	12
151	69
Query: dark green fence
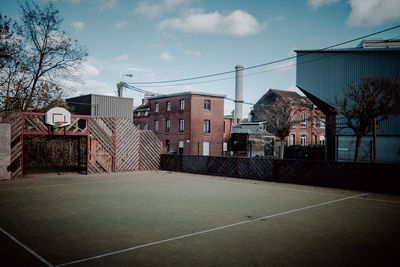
378	177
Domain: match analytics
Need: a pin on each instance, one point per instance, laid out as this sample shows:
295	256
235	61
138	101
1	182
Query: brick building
186	123
308	121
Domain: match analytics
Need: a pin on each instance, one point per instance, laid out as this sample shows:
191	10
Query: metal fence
348	175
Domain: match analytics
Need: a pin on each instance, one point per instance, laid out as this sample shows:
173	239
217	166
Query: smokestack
238	94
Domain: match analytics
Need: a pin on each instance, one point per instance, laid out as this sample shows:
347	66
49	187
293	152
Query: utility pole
120	85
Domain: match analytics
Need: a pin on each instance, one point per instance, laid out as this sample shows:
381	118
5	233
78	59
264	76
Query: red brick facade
197	109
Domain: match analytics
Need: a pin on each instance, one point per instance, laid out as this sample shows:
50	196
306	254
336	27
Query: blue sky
173	39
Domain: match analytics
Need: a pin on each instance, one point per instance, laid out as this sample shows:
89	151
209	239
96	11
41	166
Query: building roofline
186	93
348	50
75	97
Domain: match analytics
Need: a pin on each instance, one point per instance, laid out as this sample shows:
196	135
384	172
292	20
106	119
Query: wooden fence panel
255	168
222	166
101	148
15	120
194	164
150	148
127	145
171	163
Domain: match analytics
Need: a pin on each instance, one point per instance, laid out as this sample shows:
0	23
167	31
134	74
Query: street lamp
120	85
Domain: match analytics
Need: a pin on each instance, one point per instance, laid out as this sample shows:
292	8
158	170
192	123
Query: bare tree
48	56
364	102
280	120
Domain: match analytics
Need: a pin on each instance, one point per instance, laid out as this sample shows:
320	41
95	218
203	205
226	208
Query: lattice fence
115	144
378	177
15	120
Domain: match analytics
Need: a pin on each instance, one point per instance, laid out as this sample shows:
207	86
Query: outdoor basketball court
177	219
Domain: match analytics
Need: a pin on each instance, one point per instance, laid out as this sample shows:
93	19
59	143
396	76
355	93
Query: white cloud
78	25
108	4
123	57
120	25
192	53
237	23
148	10
373	12
166	56
315	4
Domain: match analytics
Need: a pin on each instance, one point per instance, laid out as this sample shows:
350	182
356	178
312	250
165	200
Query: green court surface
179	219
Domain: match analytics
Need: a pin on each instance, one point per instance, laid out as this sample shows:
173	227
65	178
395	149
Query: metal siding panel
325	74
109	106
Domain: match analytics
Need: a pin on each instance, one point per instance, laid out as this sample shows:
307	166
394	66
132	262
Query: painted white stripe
208	231
26	248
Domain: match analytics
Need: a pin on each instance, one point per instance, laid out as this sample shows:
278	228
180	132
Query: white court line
26	248
208	231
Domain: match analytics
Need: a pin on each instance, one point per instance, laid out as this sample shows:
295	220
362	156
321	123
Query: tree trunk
357	150
282	148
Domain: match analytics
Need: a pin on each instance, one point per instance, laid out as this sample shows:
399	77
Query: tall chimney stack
238	94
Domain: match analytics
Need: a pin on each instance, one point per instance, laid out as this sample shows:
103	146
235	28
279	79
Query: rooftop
184	94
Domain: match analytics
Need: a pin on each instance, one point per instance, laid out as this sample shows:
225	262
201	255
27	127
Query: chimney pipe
238	94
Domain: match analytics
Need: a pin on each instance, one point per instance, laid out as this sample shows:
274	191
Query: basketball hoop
59	123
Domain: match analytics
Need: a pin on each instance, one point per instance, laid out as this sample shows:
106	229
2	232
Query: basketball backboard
58	116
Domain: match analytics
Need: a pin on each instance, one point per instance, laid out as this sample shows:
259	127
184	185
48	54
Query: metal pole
374	140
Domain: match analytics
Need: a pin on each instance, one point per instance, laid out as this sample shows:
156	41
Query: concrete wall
5	150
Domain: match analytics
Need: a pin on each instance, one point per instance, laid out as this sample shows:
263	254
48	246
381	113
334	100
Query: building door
206	148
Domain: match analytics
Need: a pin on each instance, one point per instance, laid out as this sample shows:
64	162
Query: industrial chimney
238	94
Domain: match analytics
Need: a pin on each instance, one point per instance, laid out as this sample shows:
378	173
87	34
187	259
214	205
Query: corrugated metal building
322	75
102	105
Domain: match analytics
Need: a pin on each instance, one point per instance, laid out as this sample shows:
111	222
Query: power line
270	62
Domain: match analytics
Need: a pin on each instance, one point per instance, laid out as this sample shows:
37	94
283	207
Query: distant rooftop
185	93
366	45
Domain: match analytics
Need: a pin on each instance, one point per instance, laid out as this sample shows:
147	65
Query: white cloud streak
78	25
123	57
237	23
166	56
192	53
120	24
315	4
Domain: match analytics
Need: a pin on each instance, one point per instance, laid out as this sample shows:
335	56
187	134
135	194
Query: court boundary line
43	260
210	230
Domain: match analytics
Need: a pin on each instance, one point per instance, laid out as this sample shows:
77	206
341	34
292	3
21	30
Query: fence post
115	144
139	141
237	166
207	163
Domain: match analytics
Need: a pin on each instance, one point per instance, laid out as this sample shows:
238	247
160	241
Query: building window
292	140
181	126
182	104
314	122
145	126
138	126
322	140
322	123
314	140
303	121
146	113
224	127
157	107
304	140
292	120
167	126
138	114
167	145
207	105
180	147
168	106
156	127
206	126
224	146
